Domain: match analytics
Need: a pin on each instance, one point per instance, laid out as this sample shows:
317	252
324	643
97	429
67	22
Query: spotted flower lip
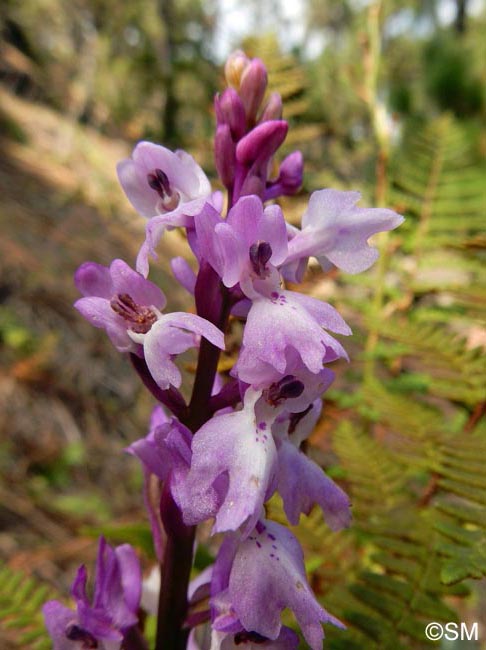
262	575
239	451
103	622
336	231
282	320
159	181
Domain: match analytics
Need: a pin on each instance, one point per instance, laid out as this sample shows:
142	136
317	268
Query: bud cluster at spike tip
225	466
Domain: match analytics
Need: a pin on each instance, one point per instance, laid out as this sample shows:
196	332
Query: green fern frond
437	181
399	589
21	599
374	476
461	522
456	372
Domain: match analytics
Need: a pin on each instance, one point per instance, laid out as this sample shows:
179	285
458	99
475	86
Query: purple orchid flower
166	453
262	575
169	188
158	181
170	335
336	231
126	305
166	448
233	467
279	320
280	389
246	243
103	623
119	300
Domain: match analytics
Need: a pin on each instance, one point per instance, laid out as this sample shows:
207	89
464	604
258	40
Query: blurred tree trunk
461	15
169	113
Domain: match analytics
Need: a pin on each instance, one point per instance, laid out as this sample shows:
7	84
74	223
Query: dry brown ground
69	403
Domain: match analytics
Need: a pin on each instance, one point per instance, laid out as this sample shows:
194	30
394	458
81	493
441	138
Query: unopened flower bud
234	67
224	154
289	179
273	108
252	88
230	110
261	143
291	172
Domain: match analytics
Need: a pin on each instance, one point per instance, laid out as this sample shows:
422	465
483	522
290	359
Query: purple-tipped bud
261	143
273	108
234	67
287	388
252	88
289	179
260	252
230	110
292	171
224	154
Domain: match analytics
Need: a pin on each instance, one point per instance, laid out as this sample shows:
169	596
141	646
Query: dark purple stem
213	302
175	573
170	398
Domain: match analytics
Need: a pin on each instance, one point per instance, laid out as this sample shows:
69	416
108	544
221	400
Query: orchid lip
141	318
